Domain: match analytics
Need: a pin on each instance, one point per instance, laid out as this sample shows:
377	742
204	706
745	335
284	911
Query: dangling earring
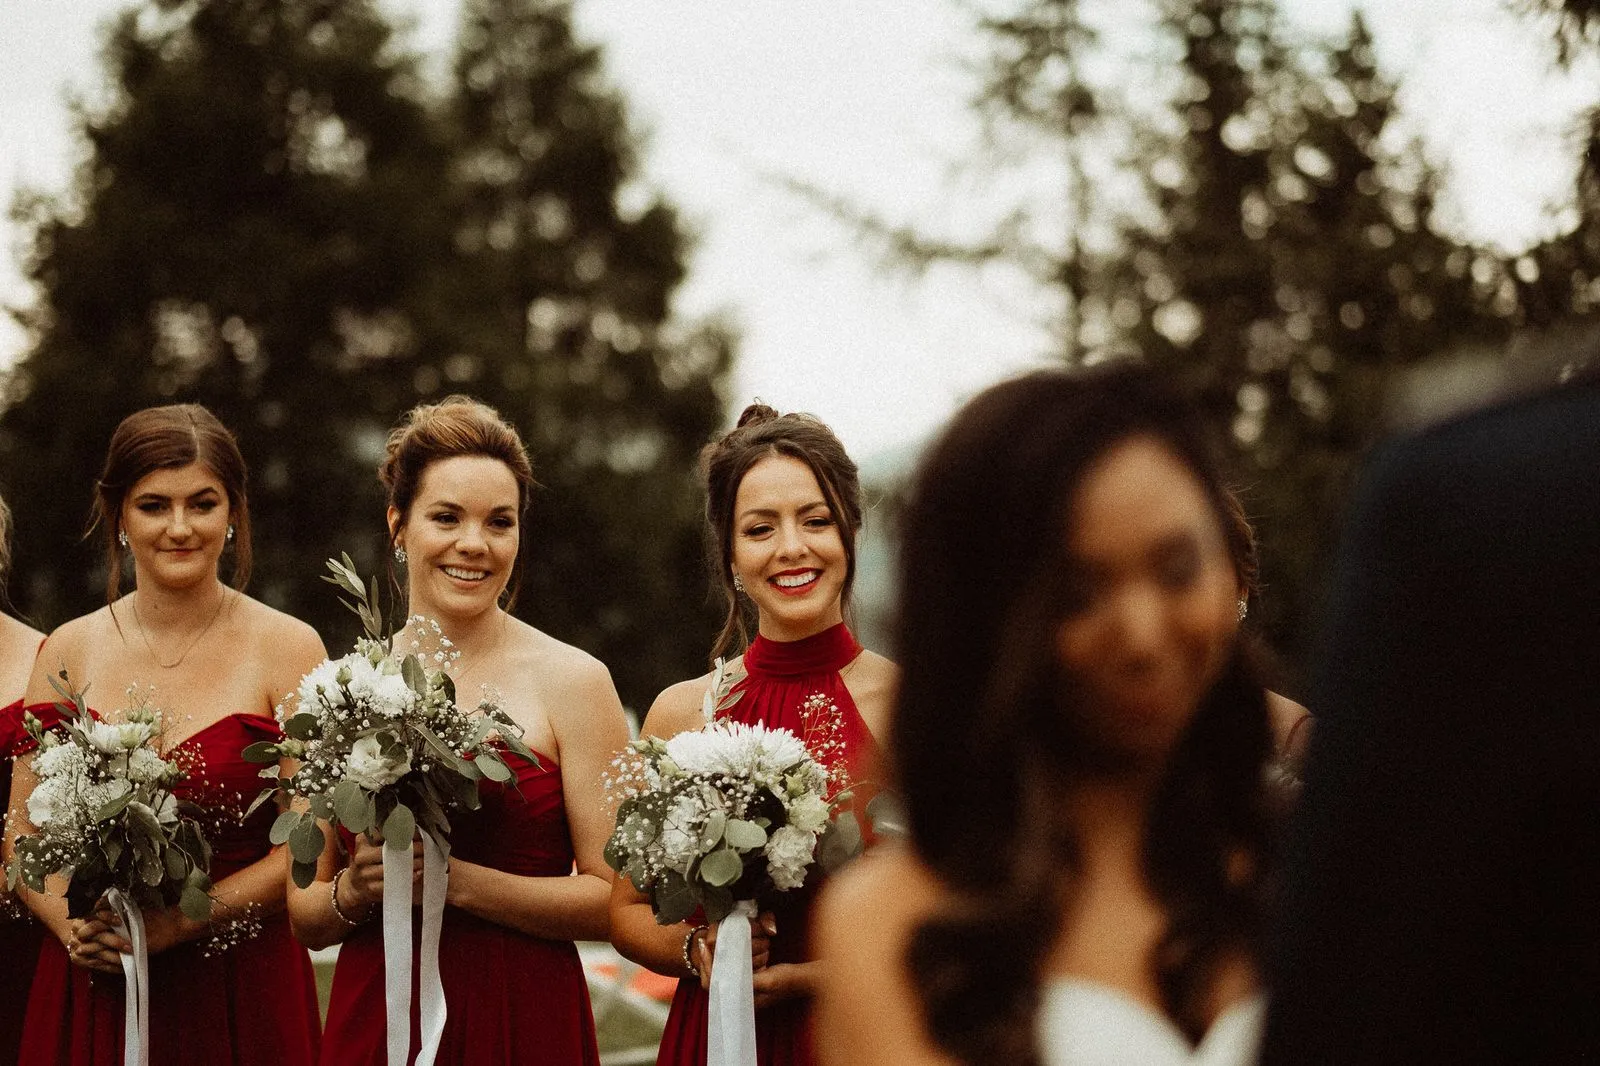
1244	609
738	583
227	538
399	555
122	538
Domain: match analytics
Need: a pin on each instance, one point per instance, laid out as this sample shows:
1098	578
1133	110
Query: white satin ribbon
731	1021
136	975
397	950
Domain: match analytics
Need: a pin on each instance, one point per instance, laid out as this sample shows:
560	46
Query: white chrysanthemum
809	813
146	767
368	768
735	749
114	739
66	760
789	856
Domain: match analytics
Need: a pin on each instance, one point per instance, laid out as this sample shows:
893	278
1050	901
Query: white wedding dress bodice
1083	1023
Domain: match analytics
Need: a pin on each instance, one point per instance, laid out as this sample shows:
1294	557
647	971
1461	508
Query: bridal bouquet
381	747
380	743
724	814
107	817
716	819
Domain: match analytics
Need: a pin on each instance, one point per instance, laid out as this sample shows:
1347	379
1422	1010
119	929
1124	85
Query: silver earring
122	538
228	536
399	554
1244	609
738	583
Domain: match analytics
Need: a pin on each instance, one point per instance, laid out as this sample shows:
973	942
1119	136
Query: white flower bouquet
106	814
380	743
726	814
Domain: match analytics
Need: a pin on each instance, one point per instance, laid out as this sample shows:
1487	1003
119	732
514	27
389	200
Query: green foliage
279	218
1261	233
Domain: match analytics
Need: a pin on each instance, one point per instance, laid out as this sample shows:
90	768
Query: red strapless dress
511	997
20	933
253	1004
792	685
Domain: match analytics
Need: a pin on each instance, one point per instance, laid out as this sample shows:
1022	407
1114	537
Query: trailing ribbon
136	974
397	949
731	1021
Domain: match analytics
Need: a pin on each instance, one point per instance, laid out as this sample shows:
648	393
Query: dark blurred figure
1442	895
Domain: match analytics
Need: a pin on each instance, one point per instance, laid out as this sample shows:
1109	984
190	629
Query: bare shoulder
880	897
559	666
873	681
1291	726
281	633
678	709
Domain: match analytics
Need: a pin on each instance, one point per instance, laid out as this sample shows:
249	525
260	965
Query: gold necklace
144	634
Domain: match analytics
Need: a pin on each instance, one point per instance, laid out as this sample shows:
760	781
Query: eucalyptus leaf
301	726
417	678
177	865
746	836
674	901
350	804
303	873
282	826
722	867
262	797
840	842
712	832
195	903
717	903
399	828
261	751
114	807
492	767
306	840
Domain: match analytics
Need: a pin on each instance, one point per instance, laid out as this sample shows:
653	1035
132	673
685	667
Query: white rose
789	856
392	696
809	813
680	834
368	768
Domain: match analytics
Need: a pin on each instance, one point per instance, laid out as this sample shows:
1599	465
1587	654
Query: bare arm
867	1009
590	730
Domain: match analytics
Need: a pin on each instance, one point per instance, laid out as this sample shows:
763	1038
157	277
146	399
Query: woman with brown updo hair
20	935
216	663
459	482
1080	742
783	507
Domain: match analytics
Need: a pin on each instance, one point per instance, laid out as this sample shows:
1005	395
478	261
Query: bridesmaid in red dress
783	506
216	662
20	935
458	480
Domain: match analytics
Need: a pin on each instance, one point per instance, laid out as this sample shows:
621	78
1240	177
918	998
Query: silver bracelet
688	946
333	897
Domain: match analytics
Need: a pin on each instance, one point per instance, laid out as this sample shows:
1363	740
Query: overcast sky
866	98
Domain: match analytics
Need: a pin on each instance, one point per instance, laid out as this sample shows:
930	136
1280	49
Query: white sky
867	98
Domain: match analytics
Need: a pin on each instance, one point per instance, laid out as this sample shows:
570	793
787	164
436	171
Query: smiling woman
783	507
526	874
216	663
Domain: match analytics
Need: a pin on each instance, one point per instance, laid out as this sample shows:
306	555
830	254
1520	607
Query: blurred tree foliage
1232	202
280	218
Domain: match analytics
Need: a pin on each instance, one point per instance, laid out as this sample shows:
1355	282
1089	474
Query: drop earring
227	538
399	554
1244	609
122	538
738	583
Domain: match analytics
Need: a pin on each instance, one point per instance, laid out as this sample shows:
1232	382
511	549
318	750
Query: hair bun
756	414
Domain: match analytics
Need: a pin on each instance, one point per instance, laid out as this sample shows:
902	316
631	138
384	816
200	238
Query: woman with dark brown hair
527	874
783	507
1080	743
20	935
216	663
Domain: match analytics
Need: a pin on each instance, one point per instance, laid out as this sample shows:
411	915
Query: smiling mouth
796	582
462	574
